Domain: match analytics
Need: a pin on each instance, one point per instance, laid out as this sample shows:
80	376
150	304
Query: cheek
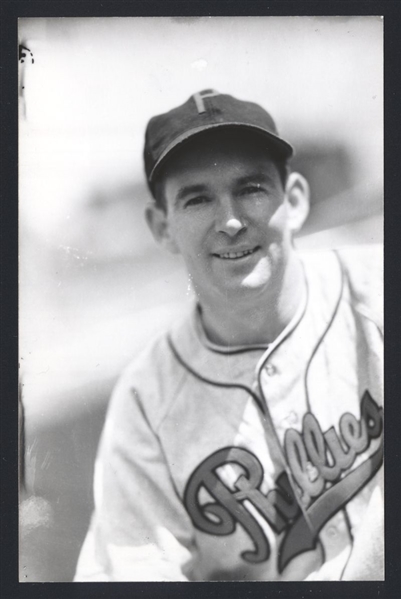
279	215
271	208
187	239
278	223
271	224
189	231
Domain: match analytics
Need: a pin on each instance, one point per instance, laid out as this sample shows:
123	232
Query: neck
258	318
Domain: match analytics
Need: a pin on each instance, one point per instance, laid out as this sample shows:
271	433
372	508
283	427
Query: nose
229	220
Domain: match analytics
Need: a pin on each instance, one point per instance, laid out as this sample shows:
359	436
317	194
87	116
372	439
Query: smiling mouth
236	255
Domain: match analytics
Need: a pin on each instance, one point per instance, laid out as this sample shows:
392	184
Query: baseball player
245	444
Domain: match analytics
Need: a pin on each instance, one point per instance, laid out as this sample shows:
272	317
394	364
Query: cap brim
284	149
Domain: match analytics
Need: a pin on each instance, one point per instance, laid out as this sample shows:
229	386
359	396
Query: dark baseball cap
204	111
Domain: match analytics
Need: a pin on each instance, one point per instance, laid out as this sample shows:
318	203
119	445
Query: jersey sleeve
140	530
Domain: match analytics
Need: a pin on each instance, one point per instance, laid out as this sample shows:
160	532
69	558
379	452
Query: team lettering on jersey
318	483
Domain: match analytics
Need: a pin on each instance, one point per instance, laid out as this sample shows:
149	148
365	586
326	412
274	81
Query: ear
297	192
158	223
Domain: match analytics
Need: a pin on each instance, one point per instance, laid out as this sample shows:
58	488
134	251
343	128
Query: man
247	443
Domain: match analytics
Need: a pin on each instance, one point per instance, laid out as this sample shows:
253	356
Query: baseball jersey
250	463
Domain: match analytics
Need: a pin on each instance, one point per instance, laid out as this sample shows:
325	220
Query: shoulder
157	356
362	268
150	381
366	260
364	264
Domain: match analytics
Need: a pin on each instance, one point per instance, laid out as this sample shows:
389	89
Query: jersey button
292	418
270	370
332	531
289	420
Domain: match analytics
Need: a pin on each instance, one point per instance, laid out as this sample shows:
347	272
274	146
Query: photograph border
10	12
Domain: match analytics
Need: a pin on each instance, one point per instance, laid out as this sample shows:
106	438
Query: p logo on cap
198	98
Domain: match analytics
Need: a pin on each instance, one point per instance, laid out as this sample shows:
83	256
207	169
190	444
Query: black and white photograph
201	299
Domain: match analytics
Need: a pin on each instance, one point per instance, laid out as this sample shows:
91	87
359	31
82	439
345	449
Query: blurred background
94	288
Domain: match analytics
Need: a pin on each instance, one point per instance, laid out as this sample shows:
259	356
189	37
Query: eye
252	189
196	201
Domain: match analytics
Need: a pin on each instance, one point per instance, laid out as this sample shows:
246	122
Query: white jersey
250	463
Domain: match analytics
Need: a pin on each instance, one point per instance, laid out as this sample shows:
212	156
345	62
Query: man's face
227	214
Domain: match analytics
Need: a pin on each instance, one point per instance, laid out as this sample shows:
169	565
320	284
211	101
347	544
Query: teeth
233	255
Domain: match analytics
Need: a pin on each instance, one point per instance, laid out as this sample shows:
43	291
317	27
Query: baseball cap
203	111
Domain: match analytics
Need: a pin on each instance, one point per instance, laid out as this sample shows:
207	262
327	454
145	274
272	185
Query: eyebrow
183	192
255	178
